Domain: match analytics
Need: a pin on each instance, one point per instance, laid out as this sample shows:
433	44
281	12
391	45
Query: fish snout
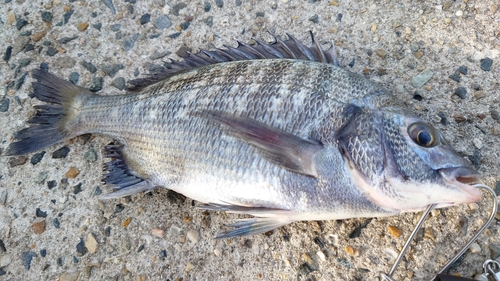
461	178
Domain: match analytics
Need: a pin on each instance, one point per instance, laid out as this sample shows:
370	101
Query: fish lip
461	177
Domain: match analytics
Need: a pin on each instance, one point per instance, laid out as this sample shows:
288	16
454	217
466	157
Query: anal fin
119	177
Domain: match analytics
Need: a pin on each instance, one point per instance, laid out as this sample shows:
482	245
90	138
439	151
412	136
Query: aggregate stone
80	248
177	7
65	40
24	62
5	260
47	16
40	214
4	104
20	23
162	22
112	69
8	53
91	244
475	248
51	51
497	188
56	223
128	42
77	188
41	177
209	21
145	19
44	66
96	84
39	227
219	3
455	76
17	160
486	64
97	26
82	26
29	47
494	251
314	19
381	53
193	236
67	16
89	66
461	92
185	25
37	157
20	81
19	44
463	69
110	5
119	83
422	78
115	27
61	152
207	6
174	35
74	77
97	191
65	62
26	258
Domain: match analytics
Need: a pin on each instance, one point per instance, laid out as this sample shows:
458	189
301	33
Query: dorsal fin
288	49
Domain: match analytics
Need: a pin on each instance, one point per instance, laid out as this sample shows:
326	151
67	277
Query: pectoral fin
278	146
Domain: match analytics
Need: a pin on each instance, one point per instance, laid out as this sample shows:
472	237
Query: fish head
422	167
402	163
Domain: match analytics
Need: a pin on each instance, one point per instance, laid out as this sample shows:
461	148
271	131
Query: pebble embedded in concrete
193	236
475	248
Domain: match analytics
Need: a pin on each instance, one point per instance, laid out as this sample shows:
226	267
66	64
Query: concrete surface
154	236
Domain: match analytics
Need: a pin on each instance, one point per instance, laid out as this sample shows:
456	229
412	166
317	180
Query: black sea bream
278	131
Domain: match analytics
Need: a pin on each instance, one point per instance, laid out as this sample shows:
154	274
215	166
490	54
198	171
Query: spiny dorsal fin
288	49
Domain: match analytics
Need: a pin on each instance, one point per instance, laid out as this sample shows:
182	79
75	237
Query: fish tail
54	121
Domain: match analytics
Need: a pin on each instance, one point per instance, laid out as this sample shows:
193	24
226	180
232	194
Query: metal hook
387	277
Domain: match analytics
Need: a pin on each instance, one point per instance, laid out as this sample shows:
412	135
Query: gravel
145	19
89	66
37	157
4	104
422	78
461	92
162	22
486	64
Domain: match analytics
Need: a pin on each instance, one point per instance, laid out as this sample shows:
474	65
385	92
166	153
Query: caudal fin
50	119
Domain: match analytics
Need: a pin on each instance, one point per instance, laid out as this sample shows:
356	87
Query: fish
279	131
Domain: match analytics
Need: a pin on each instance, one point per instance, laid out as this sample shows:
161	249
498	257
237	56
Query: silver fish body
283	139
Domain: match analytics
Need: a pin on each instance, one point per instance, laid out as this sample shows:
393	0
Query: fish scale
278	131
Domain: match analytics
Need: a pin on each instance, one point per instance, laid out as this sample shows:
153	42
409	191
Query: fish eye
423	134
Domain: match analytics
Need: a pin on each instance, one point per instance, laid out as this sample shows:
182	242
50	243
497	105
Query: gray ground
414	35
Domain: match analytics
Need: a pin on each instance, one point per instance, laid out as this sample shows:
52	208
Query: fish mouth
461	178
